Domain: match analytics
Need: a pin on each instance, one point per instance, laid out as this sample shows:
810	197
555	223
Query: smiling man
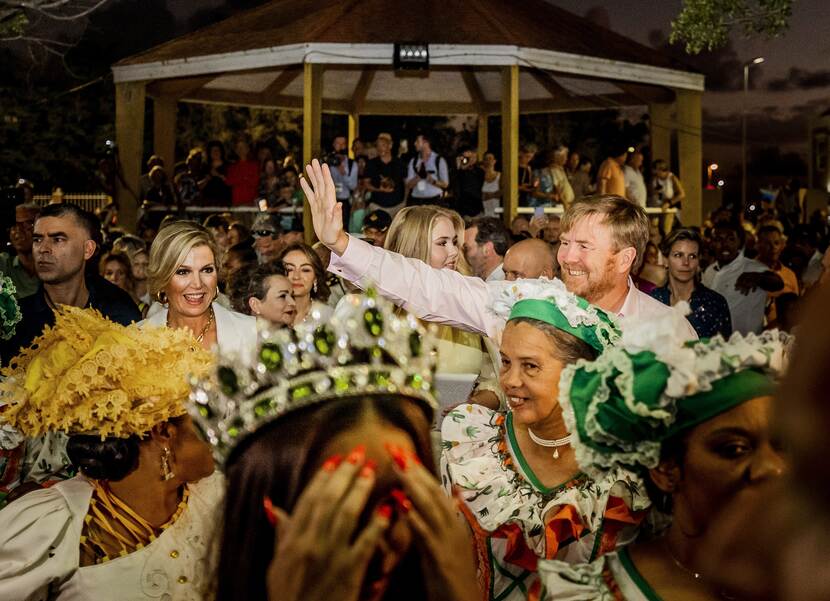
63	241
602	241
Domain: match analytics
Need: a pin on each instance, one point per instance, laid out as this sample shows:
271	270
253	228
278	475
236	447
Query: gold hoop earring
215	293
161	297
166	471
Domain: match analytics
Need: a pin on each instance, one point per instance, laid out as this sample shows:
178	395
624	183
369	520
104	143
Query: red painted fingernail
358	455
368	470
401	499
270	514
397	455
330	464
385	511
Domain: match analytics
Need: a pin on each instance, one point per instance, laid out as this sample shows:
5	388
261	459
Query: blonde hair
411	233
170	249
627	220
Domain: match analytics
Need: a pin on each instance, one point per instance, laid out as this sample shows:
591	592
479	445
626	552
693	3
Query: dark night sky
782	99
791	85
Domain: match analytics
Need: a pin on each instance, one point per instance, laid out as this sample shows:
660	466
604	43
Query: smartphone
539	212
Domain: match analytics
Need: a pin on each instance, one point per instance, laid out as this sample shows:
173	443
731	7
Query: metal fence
89	202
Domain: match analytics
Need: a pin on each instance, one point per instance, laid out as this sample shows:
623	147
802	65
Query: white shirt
445	296
424	189
746	310
497	275
40	537
635	186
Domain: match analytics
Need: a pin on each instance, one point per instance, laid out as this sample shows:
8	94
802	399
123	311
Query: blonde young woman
433	234
183	277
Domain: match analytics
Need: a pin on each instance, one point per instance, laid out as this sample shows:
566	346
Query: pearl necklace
552	444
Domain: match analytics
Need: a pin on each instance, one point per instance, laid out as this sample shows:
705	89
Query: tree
51	27
706	24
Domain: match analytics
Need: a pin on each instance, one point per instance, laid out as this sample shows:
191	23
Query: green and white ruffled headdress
9	310
653	385
550	302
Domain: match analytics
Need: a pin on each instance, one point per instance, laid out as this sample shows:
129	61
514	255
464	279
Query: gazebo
484	58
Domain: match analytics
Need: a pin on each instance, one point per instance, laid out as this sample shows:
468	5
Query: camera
333	159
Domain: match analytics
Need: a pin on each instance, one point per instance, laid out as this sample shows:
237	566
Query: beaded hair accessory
88	375
366	348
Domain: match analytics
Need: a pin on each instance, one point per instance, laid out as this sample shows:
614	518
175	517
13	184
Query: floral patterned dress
517	521
612	577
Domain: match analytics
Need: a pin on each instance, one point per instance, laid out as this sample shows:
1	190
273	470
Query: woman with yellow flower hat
136	522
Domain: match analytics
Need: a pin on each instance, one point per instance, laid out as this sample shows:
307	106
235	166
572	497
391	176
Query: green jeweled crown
364	349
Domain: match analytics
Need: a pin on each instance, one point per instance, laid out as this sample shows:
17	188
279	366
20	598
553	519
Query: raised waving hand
326	212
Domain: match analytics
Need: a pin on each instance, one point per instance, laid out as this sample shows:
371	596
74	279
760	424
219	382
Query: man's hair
735	226
679	235
426	137
84	218
628	221
659	165
216	221
492	229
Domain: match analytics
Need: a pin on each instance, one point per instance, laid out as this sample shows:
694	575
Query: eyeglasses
264	233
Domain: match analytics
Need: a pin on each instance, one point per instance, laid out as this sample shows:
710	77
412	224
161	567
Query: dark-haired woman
696	422
308	282
710	311
265	292
337	465
136	522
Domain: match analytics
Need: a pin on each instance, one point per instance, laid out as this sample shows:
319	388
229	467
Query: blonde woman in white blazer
183	277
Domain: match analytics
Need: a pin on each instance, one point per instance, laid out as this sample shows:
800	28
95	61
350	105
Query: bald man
530	258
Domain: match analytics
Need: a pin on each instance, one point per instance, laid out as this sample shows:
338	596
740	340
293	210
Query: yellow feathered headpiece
88	375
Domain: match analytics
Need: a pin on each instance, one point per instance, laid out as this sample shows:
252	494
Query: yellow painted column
354	131
690	151
510	141
662	116
164	131
312	119
129	135
483	134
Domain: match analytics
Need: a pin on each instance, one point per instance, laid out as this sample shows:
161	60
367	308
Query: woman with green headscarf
523	493
694	420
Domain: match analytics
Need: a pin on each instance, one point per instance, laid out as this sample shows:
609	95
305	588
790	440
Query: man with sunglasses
20	266
268	237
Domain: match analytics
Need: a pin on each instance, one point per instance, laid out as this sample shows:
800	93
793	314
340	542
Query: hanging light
411	56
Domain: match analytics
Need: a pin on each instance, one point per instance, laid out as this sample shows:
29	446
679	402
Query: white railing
89	202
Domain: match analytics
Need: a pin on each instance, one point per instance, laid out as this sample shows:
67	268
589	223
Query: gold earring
161	297
166	472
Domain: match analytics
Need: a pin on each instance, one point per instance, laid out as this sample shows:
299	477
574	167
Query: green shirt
25	284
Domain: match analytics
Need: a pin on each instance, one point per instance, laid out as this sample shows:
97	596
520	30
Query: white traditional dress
515	519
40	536
612	577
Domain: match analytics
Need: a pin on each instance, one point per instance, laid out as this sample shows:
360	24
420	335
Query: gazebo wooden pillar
510	141
129	135
312	119
164	131
690	151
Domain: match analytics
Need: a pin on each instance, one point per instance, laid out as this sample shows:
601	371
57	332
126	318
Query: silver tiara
365	348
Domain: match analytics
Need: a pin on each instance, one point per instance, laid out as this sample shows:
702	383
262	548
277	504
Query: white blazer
236	333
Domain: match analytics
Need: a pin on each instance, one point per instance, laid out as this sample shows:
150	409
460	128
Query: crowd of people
425	404
386	175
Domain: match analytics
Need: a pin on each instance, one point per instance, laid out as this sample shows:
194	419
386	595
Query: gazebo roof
256	58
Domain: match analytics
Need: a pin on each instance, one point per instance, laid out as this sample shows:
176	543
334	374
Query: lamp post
755	61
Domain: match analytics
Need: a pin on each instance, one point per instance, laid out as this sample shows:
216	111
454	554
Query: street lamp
755	61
